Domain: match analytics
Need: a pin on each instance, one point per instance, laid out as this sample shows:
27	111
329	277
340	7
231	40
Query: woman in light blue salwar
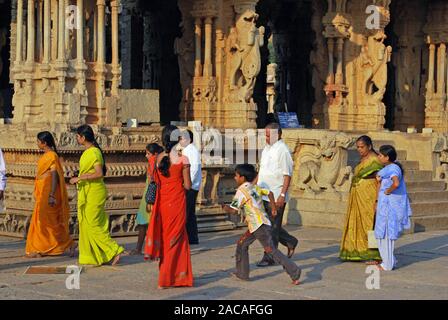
393	209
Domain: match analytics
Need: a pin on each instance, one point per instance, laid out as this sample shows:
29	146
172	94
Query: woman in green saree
361	207
96	246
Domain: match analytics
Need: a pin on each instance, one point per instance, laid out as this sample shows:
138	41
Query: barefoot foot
116	259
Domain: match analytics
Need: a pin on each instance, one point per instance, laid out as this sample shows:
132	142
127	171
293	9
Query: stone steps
212	226
430	223
213	221
417	176
428	196
429	208
422	186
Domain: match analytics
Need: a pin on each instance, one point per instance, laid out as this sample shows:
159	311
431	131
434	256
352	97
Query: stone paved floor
422	272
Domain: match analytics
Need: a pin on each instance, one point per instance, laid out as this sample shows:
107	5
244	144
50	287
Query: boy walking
249	198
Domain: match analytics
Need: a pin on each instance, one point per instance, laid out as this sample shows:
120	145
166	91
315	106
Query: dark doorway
289	46
6	89
390	94
153	64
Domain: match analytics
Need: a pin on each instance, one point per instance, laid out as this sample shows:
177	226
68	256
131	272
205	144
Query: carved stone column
198	46
17	66
330	79
45	66
432	53
31	32
19	39
116	71
441	69
47	32
208	67
61	66
39	30
100	67
81	66
436	114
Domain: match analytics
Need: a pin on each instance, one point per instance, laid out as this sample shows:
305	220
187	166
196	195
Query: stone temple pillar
436	114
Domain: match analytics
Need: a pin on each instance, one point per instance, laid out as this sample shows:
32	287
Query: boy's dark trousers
263	235
192	225
279	234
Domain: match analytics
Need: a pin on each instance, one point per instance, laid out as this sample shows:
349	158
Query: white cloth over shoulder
276	162
194	156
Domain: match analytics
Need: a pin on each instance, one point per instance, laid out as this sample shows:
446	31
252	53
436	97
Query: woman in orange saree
167	238
49	229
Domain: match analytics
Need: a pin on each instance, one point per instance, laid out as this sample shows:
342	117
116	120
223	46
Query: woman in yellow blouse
96	246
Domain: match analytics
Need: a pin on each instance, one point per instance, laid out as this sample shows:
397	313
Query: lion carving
325	168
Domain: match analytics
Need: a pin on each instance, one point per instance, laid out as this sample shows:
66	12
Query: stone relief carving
324	166
244	43
14	223
375	67
184	49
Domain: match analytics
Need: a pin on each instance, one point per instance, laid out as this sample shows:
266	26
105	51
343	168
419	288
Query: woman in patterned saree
167	238
361	207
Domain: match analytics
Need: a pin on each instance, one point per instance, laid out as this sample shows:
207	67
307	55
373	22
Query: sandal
373	262
33	255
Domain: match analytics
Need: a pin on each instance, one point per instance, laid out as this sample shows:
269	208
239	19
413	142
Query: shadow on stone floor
219	292
432	248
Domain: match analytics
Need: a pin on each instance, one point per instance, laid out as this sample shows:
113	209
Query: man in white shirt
276	166
194	157
2	176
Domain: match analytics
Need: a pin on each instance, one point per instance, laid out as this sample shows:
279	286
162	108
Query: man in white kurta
194	157
276	166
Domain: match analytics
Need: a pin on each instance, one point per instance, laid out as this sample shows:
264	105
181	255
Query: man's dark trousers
279	234
192	225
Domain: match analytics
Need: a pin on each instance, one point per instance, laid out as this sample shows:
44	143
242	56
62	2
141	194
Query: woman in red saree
167	238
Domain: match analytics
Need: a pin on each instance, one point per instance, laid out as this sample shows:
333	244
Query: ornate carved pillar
46	47
436	114
339	69
330	79
39	30
81	67
198	46
100	68
19	39
337	24
441	69
432	53
116	72
61	63
47	32
208	66
31	32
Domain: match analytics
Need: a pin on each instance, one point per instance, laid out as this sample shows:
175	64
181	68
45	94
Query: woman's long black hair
154	148
87	132
367	141
389	151
170	138
48	138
